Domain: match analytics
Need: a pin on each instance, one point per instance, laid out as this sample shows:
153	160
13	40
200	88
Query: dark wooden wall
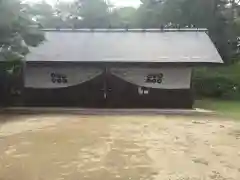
104	91
108	91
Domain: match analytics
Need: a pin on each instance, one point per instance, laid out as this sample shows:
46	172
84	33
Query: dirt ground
76	147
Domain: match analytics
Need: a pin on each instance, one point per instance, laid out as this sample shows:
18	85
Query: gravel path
74	147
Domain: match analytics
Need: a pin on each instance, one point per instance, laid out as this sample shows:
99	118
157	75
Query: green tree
125	16
210	14
16	31
94	13
42	13
46	15
77	14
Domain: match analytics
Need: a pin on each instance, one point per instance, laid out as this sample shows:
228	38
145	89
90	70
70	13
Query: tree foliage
15	31
210	14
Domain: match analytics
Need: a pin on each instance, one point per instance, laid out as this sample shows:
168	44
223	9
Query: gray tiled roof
126	46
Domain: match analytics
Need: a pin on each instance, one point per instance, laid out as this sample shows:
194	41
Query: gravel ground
73	147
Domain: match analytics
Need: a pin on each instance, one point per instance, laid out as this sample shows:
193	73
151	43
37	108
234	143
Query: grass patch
223	107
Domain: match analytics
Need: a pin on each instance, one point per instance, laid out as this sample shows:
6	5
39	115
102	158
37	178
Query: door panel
88	94
63	85
124	94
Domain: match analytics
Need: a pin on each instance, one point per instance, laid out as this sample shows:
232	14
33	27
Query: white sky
119	3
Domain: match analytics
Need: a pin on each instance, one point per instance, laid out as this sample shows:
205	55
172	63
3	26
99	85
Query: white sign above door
60	77
161	78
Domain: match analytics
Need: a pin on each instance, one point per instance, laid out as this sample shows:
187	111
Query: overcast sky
120	3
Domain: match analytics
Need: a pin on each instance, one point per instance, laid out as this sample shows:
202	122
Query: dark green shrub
220	82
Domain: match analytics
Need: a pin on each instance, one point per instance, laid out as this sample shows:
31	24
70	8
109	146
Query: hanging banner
58	77
161	78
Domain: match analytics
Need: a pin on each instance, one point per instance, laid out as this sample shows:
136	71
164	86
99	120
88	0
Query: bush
214	86
222	82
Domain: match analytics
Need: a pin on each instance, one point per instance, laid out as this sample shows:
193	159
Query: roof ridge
129	30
